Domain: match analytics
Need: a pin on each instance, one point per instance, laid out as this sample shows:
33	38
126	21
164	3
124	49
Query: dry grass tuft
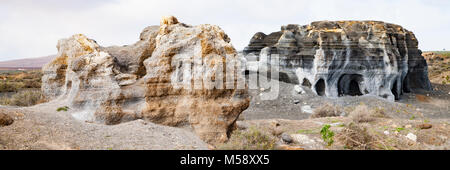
355	136
23	98
378	112
361	137
250	139
326	110
363	114
10	86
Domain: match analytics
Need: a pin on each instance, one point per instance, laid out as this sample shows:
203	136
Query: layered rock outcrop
170	76
340	58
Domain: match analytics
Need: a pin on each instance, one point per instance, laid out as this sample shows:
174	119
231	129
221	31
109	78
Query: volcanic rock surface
337	58
171	76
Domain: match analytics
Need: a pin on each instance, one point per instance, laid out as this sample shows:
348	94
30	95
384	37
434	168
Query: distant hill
28	63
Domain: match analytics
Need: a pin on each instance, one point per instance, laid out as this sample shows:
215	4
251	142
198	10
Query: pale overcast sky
31	28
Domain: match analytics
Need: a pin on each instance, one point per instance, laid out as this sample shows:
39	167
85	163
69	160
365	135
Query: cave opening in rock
320	87
348	84
283	77
412	81
306	83
354	89
394	90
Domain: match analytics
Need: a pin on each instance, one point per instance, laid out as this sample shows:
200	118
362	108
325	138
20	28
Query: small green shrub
399	129
447	80
327	135
64	108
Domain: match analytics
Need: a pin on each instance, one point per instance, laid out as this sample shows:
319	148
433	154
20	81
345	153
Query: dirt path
42	127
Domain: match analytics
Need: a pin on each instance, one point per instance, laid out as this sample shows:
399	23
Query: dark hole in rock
394	90
406	87
141	70
284	77
413	80
348	84
69	84
354	89
320	87
306	83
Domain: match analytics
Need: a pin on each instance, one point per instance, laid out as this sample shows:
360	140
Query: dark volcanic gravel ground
285	107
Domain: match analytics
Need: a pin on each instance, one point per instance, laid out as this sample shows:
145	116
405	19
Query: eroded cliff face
346	57
170	76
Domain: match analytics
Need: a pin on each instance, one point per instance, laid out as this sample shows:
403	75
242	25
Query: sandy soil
42	127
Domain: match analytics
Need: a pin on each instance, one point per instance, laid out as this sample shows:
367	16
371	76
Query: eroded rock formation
346	57
160	78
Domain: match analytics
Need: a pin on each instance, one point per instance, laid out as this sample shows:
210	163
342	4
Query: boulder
176	75
425	126
299	90
286	138
336	58
5	120
412	137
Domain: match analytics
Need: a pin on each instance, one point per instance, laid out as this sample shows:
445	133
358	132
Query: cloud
31	28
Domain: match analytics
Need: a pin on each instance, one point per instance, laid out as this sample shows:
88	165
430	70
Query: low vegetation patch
327	135
250	139
361	137
25	86
10	86
326	110
13	81
64	108
363	114
355	136
438	66
23	98
308	131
